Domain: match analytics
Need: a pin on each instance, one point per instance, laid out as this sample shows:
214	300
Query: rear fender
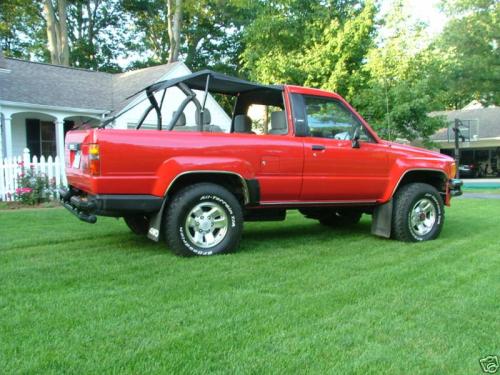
173	168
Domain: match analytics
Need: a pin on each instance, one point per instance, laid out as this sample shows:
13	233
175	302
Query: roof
485	122
217	83
55	85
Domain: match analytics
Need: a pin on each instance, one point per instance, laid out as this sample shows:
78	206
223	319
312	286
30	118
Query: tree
57	31
470	43
316	43
149	18
22	29
98	33
400	92
174	15
210	32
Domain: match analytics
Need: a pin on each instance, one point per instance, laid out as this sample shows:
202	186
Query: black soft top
217	83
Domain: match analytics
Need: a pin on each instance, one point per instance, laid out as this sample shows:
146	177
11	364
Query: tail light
93	162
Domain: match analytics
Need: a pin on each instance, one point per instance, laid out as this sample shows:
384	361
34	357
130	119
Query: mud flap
154	232
382	220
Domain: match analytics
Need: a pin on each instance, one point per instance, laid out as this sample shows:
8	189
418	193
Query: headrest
207	119
181	121
242	124
278	123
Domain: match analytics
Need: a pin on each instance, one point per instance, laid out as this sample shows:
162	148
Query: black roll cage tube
190	96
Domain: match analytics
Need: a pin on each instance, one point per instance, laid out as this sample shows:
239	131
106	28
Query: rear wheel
418	213
139	224
203	219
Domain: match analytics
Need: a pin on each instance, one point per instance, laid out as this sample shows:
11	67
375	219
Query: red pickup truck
193	184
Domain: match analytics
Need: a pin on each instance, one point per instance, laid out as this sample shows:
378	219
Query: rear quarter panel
147	161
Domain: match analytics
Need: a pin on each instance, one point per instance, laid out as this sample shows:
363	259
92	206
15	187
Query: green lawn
296	298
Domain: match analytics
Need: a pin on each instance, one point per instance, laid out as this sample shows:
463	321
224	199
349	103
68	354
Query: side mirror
355	137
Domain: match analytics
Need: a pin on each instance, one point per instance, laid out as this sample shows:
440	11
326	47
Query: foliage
98	33
399	91
33	187
316	43
470	44
22	30
211	34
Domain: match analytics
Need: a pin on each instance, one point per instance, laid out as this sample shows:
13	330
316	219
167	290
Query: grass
296	298
478	190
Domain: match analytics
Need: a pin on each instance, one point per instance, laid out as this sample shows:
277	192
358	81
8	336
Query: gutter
53	108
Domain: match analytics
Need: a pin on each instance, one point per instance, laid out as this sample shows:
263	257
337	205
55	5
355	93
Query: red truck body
282	171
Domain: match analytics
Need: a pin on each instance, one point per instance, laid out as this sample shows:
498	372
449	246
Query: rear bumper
455	187
86	207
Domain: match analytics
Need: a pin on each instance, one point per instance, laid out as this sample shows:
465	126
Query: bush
33	187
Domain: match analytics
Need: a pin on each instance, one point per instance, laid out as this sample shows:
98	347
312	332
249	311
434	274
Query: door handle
318	147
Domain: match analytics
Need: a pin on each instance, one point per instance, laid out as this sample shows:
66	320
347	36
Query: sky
423	10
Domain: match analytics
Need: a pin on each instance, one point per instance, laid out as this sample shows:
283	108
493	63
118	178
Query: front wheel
418	213
203	219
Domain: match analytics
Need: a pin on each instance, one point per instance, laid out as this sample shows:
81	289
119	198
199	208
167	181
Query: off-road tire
175	223
404	202
138	224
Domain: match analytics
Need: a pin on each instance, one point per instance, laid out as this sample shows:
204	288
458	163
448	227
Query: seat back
278	123
181	121
207	119
242	124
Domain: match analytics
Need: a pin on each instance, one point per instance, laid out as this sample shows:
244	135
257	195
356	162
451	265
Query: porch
41	131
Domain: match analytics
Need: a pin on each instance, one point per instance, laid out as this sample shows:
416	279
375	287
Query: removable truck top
193	183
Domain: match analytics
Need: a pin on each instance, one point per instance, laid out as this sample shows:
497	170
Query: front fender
172	168
403	166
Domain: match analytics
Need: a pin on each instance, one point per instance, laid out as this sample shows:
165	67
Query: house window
41	137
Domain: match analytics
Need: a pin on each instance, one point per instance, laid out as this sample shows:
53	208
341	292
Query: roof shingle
55	85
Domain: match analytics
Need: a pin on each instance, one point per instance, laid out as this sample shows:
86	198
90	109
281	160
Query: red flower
25	190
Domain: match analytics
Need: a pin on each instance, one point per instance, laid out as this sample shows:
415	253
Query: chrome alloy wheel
423	217
206	225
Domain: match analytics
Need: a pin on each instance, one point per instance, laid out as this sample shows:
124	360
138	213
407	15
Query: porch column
59	124
8	136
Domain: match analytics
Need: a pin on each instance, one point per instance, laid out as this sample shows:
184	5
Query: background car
469	170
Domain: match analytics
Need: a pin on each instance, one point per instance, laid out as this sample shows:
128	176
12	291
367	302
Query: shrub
33	187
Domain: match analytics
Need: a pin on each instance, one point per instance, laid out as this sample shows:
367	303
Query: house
40	102
480	130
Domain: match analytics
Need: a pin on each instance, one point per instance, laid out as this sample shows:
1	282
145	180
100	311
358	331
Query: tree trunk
51	31
57	32
174	28
63	33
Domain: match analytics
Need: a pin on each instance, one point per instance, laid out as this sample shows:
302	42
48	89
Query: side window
261	120
328	118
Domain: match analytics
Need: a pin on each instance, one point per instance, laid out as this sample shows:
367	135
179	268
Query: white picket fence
11	169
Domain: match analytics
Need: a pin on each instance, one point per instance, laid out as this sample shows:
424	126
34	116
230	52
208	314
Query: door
333	169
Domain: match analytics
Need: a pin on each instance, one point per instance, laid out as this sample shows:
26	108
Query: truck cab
193	184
